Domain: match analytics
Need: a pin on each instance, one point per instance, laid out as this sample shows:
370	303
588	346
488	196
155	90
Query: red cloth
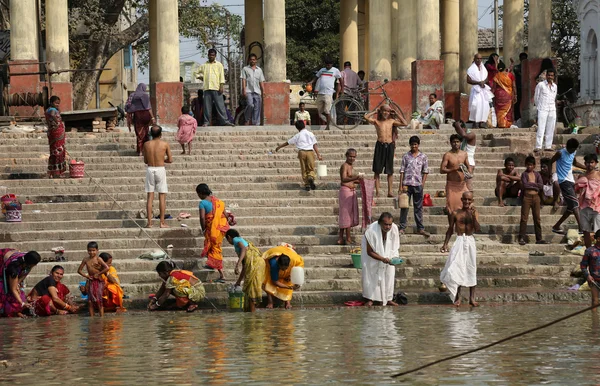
142	120
95	291
57	164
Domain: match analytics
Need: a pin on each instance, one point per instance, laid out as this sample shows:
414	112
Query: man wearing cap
351	80
326	77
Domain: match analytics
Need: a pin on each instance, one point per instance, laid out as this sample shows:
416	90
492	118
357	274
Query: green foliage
312	33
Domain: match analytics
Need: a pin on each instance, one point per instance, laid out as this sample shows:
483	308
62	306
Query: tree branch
131	34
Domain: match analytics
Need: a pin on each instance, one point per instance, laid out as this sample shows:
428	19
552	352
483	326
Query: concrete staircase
264	191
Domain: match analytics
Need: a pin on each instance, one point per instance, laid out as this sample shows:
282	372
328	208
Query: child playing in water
186	129
113	293
95	285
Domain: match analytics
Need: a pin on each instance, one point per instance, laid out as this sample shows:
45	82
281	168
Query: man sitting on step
156	153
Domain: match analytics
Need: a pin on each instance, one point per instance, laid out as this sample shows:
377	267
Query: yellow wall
115	84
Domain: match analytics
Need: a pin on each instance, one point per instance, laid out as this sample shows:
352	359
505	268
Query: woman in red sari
49	296
14	268
139	112
214	226
505	96
57	164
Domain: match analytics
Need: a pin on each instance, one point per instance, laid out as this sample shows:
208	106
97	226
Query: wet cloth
454	192
215	228
461	266
185	287
186	131
113	293
479	99
95	290
378	277
367	188
348	212
254	274
11	267
503	98
57	164
283	276
589	193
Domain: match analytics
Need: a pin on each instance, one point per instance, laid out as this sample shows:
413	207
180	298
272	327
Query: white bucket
297	275
322	170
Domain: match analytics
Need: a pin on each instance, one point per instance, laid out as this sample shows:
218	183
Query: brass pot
442	287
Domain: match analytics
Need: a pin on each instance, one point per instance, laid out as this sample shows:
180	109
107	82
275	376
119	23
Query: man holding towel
454	165
380	245
461	266
481	94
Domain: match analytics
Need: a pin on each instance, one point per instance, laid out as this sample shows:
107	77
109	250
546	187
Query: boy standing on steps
565	159
306	143
414	169
588	188
96	267
532	184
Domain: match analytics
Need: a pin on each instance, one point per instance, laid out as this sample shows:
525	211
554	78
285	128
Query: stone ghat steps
433	222
324	234
242	213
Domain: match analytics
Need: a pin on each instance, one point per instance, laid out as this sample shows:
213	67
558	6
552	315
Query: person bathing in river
461	266
49	296
250	267
187	288
590	266
94	286
380	245
113	293
279	263
14	268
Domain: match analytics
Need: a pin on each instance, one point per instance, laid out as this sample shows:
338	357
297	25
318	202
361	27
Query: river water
304	346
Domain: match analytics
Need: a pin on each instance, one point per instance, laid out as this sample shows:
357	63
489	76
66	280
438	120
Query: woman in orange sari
505	96
214	226
278	273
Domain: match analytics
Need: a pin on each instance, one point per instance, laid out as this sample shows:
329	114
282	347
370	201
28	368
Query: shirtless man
461	266
348	213
587	190
508	182
468	144
455	176
386	124
155	152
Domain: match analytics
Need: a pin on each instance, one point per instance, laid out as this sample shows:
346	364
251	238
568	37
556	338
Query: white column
349	32
450	44
253	14
153	16
167	22
468	39
275	45
24	42
513	29
406	47
380	42
57	38
428	30
540	25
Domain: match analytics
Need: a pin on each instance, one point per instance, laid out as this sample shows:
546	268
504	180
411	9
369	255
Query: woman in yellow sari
505	96
214	225
279	263
252	270
187	288
113	293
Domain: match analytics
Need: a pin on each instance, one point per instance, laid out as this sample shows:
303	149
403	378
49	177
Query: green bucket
236	301
356	260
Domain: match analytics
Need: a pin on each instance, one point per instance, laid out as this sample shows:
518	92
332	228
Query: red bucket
77	170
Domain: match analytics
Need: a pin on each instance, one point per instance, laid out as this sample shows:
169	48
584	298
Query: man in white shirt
351	80
326	77
545	101
252	84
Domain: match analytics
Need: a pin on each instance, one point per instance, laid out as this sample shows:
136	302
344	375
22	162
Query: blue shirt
236	241
274	269
206	204
564	166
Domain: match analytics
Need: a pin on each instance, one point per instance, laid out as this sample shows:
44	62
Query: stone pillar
276	102
406	47
428	30
363	37
153	43
380	42
540	24
166	90
468	48
253	28
349	32
450	55
513	30
57	50
24	43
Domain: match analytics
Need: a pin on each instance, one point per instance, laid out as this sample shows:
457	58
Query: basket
13	215
356	260
236	301
77	170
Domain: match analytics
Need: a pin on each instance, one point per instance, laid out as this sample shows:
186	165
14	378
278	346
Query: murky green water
312	346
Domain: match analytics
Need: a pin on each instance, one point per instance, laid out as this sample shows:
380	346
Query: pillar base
64	90
276	103
167	99
398	90
464	107
24	84
427	78
452	104
529	72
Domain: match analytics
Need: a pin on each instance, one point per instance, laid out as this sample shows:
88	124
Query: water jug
322	170
403	200
297	275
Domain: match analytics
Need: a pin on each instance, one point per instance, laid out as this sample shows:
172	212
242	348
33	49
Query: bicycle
567	112
350	109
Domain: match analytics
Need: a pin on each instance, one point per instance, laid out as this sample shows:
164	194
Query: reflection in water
318	346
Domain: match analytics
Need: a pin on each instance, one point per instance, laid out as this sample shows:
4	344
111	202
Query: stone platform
264	191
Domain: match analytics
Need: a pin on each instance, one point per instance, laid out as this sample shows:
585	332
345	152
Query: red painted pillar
167	99
276	103
427	78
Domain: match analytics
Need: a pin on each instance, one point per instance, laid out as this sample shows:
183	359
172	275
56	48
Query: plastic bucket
236	301
356	260
13	215
77	170
322	170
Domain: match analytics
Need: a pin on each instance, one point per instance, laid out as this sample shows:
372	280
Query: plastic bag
427	201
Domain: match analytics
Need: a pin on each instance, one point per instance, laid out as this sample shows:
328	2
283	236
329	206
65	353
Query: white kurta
479	99
378	277
461	266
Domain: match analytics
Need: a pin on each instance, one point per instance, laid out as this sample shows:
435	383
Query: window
127	57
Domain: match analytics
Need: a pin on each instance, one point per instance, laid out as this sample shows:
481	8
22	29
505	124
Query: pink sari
9	306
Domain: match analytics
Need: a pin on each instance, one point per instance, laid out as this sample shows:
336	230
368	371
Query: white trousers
546	123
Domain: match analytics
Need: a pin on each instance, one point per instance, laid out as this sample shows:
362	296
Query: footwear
312	184
401	231
424	233
558	231
541	242
307	188
537	150
536	253
522	242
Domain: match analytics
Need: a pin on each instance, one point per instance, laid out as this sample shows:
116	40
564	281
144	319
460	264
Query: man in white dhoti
379	245
434	114
461	266
481	94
